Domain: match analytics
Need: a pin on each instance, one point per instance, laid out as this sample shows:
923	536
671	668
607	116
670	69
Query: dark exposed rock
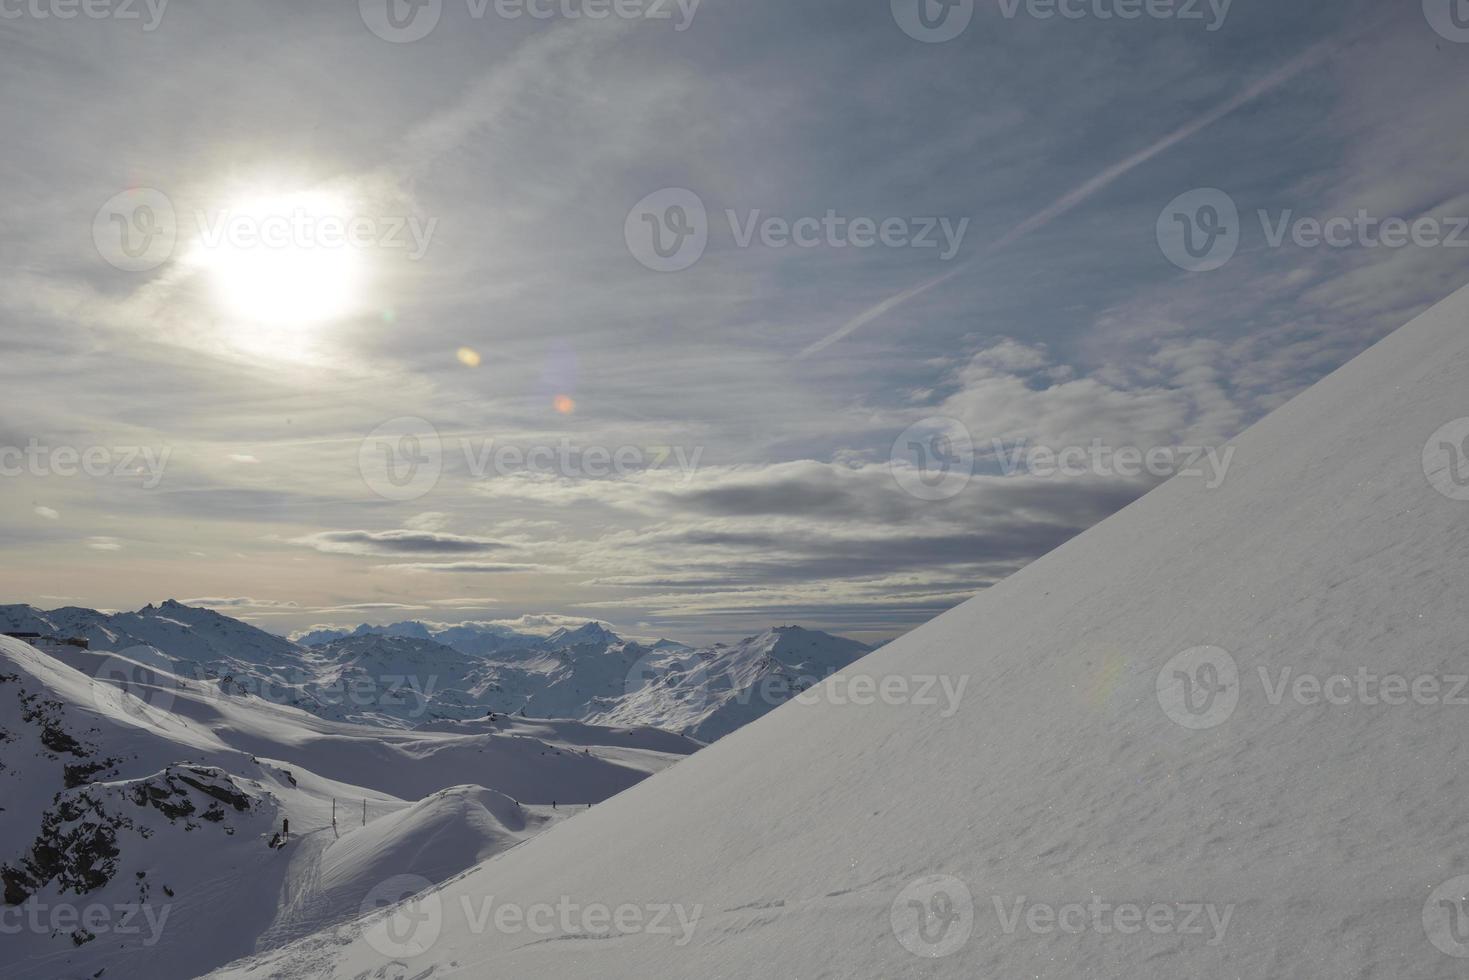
223	793
82	772
77	848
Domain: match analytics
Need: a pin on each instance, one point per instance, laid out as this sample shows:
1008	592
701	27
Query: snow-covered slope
1082	813
186	634
708	693
136	826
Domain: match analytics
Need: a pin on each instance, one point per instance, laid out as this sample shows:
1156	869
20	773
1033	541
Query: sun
283	260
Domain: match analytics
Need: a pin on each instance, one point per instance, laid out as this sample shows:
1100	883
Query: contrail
1081	193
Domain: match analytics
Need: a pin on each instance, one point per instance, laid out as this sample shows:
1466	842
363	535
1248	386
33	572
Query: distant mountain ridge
411	673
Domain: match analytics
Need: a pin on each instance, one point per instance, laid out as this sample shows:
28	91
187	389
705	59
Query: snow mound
436	838
1138	783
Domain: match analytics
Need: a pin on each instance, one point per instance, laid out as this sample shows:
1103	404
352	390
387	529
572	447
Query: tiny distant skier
285	830
553	804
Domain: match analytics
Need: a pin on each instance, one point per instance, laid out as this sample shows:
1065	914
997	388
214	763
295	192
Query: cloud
47	512
540	622
100	543
428	521
473	567
399	542
239	602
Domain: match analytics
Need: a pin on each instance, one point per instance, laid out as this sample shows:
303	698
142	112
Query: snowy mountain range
141	824
410	673
1218	734
151	772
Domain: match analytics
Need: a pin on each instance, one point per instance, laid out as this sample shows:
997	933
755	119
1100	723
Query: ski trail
303	905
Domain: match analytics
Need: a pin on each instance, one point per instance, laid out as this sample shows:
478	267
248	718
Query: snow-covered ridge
410	674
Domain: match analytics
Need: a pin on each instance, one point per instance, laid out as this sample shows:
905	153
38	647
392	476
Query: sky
691	318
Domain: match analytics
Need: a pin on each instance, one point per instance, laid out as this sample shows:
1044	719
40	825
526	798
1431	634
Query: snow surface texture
1087	820
136	826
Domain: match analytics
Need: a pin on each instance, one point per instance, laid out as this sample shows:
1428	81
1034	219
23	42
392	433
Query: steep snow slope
1094	835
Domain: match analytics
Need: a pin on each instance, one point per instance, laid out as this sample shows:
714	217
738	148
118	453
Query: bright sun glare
282	260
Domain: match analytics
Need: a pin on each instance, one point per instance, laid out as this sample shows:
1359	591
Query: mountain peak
589	632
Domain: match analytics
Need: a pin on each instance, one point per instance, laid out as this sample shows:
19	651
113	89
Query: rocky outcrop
78	843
